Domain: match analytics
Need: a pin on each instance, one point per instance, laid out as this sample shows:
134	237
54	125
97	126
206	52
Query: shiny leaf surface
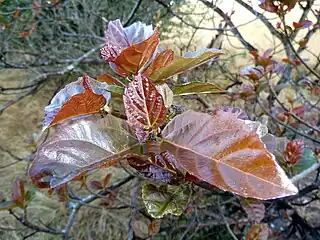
196	88
83	145
164	199
109	80
144	105
133	58
80	105
181	64
226	152
162	59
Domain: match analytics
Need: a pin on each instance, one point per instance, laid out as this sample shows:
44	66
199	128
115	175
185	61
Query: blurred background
47	44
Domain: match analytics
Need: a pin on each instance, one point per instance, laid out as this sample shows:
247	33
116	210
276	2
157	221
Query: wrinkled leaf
181	64
81	146
254	209
226	152
144	105
293	151
162	59
80	105
133	58
258	232
196	88
164	199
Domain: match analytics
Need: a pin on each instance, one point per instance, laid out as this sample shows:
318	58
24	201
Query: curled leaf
258	232
144	105
196	88
293	151
164	199
226	152
84	145
134	58
181	64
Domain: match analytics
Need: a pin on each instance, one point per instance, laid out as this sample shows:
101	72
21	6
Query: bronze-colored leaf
133	58
163	199
18	192
106	179
226	152
181	64
80	105
154	227
109	80
258	232
196	88
144	105
83	145
162	60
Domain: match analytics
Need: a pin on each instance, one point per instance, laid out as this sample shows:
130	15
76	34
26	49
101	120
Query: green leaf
163	199
181	64
307	160
115	89
196	88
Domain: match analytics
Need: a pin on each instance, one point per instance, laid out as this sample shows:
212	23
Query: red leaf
79	105
163	59
302	24
154	227
269	6
226	152
106	179
258	232
293	151
109	79
18	192
144	106
133	58
303	43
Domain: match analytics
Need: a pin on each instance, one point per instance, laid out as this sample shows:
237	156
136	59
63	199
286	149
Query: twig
306	172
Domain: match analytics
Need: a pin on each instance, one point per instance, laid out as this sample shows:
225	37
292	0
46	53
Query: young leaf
109	80
258	232
181	64
154	227
293	151
303	24
226	152
18	192
144	105
80	105
163	199
254	209
162	59
133	58
196	88
83	145
106	179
